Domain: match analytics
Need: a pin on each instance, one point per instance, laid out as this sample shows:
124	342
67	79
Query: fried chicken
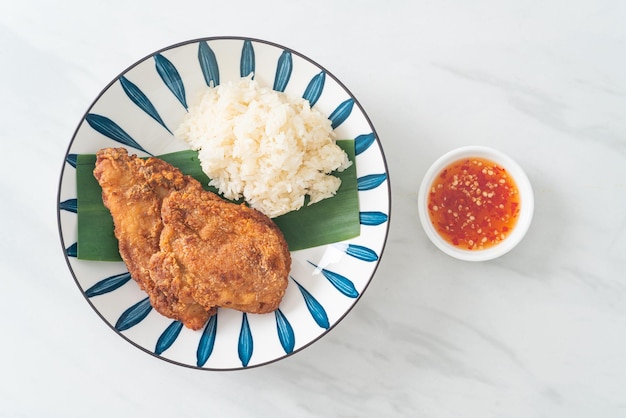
133	190
228	255
190	250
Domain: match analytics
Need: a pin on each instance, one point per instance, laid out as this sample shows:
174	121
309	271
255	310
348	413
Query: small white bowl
527	203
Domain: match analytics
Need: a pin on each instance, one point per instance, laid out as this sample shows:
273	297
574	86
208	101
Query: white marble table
540	332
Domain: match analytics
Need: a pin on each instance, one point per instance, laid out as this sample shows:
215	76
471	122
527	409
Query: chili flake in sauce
473	203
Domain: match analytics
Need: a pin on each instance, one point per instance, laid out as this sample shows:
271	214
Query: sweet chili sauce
474	203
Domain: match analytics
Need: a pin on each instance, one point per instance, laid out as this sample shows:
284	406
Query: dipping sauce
473	203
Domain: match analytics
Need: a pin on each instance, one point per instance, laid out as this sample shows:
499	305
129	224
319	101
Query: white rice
265	146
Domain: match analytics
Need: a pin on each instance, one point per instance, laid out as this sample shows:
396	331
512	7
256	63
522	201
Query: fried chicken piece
190	250
133	190
220	253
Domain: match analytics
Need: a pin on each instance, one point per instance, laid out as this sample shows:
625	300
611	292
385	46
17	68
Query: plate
140	109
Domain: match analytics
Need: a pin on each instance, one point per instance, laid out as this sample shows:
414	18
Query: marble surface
540	332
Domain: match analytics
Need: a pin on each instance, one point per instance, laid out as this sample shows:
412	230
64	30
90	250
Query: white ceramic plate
139	109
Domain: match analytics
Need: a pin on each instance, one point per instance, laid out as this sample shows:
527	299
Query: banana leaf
330	220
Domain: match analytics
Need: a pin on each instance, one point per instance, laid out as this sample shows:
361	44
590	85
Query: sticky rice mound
264	146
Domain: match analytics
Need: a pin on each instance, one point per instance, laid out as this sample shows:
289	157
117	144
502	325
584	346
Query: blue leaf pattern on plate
171	78
72	250
371	181
245	345
134	315
283	71
207	341
314	90
168	337
108	285
70	205
341	283
363	142
141	100
71	159
112	130
315	308
372	218
342	112
208	64
285	332
247	63
361	252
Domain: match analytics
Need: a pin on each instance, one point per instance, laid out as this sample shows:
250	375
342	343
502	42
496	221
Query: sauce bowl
526	198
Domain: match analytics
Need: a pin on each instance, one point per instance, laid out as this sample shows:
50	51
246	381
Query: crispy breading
133	190
228	255
190	250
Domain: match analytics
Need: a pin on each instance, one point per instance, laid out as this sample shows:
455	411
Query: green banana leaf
330	220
